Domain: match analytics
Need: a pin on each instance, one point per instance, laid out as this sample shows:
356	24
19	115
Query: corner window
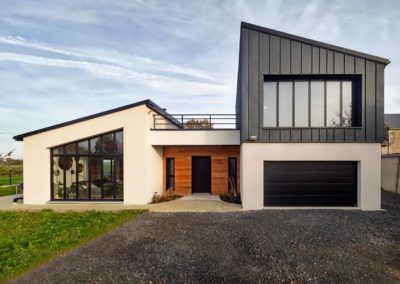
89	169
304	102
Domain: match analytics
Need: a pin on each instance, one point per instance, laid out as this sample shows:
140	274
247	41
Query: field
28	239
5	179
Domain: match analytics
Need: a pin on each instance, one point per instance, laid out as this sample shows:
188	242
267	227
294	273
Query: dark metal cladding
265	52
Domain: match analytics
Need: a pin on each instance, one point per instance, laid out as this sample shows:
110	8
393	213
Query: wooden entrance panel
219	166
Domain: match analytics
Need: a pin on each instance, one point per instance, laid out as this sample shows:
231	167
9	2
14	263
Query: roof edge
315	42
150	104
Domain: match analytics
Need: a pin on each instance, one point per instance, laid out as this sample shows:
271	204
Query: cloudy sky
61	60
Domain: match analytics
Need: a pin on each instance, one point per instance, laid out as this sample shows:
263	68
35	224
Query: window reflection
317	103
270	91
89	169
285	104
301	103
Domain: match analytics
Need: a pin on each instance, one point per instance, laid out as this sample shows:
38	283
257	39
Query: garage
310	183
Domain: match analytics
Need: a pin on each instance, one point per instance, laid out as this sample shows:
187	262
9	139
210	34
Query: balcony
195	130
194	121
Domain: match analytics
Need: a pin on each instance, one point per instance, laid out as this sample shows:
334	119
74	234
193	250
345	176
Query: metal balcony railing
195	121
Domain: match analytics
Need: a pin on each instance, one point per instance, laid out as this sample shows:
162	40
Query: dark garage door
302	183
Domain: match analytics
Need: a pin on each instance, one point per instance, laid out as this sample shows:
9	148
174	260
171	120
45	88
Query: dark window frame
168	175
357	106
76	156
234	174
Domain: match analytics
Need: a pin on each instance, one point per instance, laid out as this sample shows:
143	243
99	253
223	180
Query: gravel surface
317	246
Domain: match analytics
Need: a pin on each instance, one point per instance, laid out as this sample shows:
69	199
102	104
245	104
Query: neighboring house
391	145
307	132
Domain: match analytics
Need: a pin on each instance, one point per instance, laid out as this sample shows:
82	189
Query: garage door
308	183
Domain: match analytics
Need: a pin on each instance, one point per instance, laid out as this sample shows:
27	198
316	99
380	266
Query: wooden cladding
183	166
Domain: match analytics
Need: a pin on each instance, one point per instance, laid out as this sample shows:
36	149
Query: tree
198	124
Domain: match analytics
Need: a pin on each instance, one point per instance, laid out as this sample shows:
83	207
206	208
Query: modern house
306	132
391	144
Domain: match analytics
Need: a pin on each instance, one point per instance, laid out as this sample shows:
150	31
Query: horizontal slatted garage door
310	183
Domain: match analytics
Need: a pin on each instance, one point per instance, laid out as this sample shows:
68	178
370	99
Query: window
89	169
232	173
298	101
170	173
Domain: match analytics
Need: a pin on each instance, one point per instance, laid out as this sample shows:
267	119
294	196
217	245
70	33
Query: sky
61	60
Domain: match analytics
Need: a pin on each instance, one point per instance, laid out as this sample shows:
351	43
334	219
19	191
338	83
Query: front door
201	174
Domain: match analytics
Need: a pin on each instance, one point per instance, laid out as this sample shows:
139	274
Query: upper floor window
303	102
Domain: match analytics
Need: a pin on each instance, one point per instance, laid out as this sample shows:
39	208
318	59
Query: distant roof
150	104
392	120
315	43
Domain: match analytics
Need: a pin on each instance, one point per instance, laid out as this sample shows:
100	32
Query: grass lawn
28	239
8	190
5	180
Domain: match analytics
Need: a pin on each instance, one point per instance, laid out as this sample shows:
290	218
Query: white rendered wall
253	155
142	162
194	137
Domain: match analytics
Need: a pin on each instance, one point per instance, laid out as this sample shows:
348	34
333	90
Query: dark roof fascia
315	43
150	104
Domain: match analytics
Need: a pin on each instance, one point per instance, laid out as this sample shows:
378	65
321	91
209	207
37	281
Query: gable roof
392	120
315	43
150	104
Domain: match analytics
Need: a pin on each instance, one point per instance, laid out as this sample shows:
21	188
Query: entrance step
201	196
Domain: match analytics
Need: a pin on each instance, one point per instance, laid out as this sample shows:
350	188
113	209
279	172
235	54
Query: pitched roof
315	43
150	104
392	120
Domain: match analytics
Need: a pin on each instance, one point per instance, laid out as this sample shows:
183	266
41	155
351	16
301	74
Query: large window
307	102
90	169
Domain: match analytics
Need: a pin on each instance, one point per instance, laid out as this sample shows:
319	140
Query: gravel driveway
260	246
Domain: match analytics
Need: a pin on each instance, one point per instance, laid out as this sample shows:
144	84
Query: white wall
390	173
253	156
142	162
195	137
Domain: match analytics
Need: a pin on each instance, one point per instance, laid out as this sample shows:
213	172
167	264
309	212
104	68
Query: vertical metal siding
253	83
360	69
305	59
370	101
263	69
380	133
263	53
315	60
245	85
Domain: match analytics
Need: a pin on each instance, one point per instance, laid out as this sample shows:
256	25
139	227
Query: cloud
108	56
114	72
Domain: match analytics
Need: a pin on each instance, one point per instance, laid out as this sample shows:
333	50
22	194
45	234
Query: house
306	132
391	145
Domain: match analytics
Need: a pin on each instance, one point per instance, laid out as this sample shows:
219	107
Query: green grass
5	179
8	190
28	239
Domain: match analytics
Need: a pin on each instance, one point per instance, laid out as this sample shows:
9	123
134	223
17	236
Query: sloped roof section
392	120
315	43
150	104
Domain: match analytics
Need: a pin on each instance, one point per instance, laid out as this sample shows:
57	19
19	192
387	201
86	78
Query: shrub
232	195
165	196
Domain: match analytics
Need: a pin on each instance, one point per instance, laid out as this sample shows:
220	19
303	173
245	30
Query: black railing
195	121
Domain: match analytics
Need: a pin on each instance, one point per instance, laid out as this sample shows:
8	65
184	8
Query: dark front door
316	183
201	174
